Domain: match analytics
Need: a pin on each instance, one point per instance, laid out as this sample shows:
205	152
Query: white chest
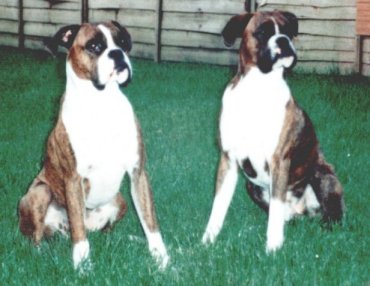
252	118
103	135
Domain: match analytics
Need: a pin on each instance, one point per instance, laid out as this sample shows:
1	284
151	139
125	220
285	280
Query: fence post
85	11
252	6
157	31
358	55
20	25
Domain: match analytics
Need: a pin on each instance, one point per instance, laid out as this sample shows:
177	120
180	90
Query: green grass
178	105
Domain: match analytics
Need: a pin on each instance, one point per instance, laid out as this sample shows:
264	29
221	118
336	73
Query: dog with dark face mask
95	142
267	135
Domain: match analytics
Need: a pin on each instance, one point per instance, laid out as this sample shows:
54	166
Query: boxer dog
267	135
95	142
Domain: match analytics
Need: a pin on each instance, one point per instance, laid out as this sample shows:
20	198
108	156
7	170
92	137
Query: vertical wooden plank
358	59
85	11
157	31
252	6
20	25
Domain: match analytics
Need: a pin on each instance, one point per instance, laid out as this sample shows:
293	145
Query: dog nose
118	58
116	55
284	46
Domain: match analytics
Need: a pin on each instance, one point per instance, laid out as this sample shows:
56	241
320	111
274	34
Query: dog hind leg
33	208
256	193
329	192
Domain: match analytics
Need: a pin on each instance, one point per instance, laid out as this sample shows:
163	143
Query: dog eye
95	47
121	42
259	34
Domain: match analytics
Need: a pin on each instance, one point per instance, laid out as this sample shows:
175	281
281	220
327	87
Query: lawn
178	105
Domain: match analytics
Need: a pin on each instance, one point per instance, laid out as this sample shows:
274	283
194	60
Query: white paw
161	257
275	227
80	252
209	237
274	242
158	250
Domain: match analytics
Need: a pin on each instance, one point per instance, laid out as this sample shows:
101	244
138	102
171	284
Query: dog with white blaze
265	133
95	142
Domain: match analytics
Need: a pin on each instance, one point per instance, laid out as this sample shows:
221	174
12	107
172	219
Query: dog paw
158	250
161	257
80	253
274	243
209	237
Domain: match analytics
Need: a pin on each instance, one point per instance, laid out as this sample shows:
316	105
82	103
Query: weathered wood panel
327	56
140	50
200	22
142	35
137	18
103	15
314	3
9	3
9	40
52	16
129	18
40	29
66	5
319	42
203	6
317	13
193	39
8	26
366	70
34	43
366	45
200	56
324	67
332	28
125	4
9	13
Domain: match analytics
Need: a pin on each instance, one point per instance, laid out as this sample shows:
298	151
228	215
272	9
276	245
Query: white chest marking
102	131
252	118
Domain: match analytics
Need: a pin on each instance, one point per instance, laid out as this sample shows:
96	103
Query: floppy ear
124	37
235	28
291	26
64	37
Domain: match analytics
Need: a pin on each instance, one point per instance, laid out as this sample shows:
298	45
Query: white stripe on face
277	30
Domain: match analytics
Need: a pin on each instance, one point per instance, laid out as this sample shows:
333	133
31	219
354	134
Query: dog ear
235	28
124	37
291	26
64	37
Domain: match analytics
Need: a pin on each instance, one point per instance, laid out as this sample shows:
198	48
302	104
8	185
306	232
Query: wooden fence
189	30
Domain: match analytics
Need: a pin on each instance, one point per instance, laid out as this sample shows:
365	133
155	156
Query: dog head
96	52
266	39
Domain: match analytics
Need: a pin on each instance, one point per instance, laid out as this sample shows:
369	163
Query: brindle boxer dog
95	142
265	133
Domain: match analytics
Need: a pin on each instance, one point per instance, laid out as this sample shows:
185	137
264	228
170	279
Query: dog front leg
227	176
277	208
143	200
75	210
